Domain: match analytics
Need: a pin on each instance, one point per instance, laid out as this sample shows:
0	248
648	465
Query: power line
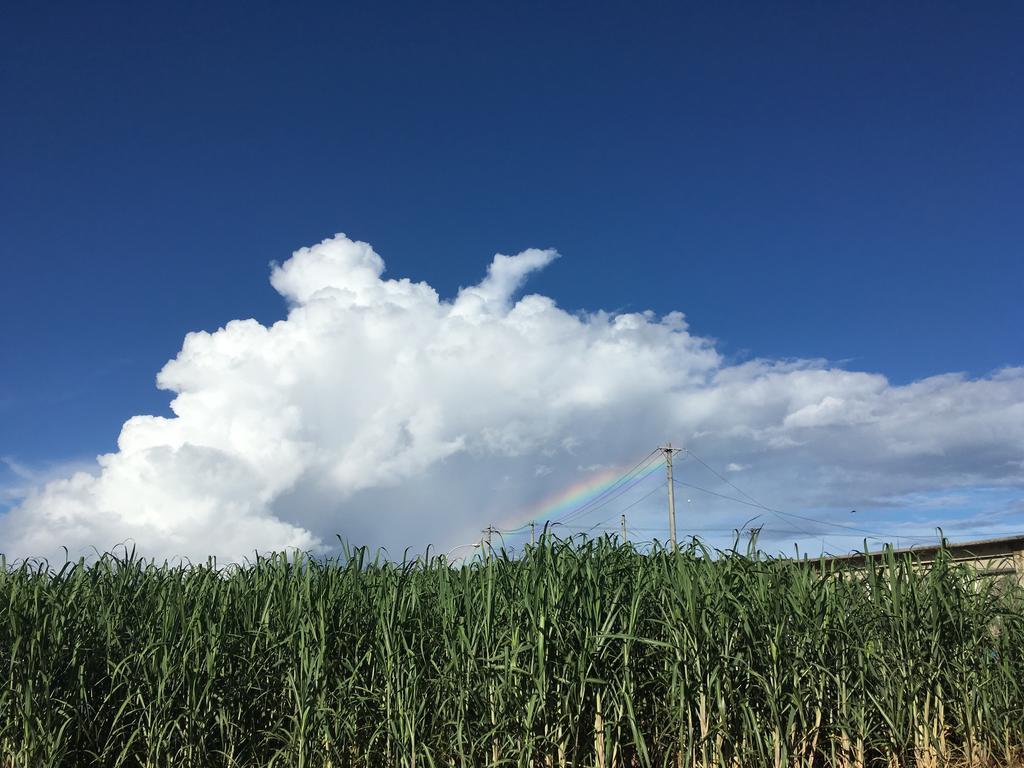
735	487
638	473
814	534
721	495
651	463
730	498
619	487
777	512
652	471
699	530
723	478
755	503
649	493
623	479
628	506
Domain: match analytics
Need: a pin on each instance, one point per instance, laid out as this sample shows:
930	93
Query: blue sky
838	181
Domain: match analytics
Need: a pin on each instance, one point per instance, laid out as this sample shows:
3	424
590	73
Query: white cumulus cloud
386	414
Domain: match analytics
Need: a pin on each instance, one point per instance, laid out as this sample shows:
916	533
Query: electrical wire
628	506
755	503
778	513
723	496
652	462
622	485
621	493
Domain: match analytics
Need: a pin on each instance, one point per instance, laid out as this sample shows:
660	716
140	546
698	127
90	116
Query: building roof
980	549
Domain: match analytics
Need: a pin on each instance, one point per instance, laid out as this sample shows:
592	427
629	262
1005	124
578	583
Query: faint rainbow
581	492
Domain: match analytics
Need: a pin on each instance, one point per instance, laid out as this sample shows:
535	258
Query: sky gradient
837	182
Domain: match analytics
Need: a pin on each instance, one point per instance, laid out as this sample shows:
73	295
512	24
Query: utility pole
668	451
487	542
623	527
533	534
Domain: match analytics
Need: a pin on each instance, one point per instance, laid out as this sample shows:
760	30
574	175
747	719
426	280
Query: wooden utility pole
533	534
668	451
623	527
